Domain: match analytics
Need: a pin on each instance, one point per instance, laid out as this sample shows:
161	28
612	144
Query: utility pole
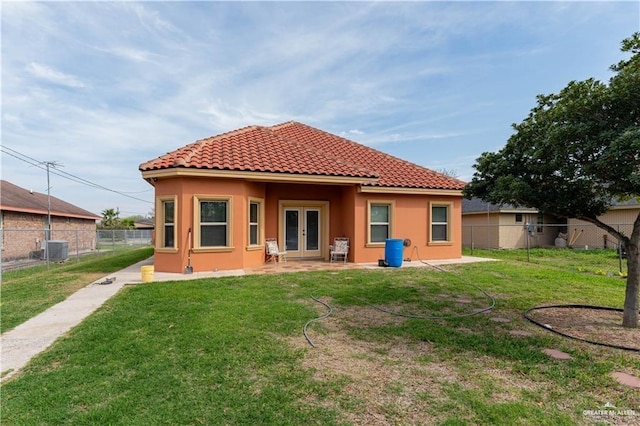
47	232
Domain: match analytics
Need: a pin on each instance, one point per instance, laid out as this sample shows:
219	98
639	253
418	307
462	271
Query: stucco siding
591	236
410	221
502	230
480	230
342	210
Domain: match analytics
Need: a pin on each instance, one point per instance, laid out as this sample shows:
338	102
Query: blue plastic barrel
393	252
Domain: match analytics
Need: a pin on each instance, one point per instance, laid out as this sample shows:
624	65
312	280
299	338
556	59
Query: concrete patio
294	265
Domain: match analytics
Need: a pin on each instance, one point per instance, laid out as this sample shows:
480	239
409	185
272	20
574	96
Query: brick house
218	198
23	220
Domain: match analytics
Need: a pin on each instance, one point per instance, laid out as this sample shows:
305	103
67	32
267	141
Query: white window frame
197	238
391	205
259	224
161	223
448	223
540	223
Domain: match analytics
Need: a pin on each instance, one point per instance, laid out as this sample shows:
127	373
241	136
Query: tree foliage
576	153
110	219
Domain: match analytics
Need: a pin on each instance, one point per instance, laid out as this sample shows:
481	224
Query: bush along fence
31	244
579	235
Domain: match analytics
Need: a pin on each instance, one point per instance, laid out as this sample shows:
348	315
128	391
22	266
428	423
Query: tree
576	153
449	172
128	222
110	218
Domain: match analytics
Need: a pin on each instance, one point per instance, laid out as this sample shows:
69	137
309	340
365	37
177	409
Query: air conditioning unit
58	250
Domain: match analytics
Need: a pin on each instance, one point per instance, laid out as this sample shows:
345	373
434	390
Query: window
518	217
440	226
380	220
540	224
255	222
168	223
213	223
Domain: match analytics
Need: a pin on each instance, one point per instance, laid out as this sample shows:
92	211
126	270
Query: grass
231	351
596	261
28	292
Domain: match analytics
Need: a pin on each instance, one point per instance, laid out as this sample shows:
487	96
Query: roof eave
154	175
409	190
45	212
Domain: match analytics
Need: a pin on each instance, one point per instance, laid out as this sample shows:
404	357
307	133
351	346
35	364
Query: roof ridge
313	149
285	124
376	151
200	143
293	147
316	150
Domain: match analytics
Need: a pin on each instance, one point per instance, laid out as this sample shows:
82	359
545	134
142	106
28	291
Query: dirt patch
385	380
596	325
394	382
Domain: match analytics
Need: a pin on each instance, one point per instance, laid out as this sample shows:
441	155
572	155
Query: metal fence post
528	252
619	252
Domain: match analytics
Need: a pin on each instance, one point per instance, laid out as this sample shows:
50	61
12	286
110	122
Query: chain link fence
21	247
579	235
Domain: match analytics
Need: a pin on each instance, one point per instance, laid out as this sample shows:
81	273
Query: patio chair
273	251
339	248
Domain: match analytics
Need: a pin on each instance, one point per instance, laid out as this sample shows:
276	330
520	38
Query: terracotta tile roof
297	148
15	198
256	149
393	171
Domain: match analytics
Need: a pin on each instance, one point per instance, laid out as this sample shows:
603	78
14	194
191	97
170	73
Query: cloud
49	74
150	19
351	134
432	80
227	116
131	53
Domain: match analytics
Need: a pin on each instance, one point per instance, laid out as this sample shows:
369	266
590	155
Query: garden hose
548	327
329	311
423	317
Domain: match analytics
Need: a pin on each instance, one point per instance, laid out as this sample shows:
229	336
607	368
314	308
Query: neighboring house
620	216
24	217
144	224
487	225
302	186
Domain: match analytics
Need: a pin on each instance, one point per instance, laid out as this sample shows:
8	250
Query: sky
97	88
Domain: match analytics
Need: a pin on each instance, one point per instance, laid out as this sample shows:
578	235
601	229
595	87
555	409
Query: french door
302	231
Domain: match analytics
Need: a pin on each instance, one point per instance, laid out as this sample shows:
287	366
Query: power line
39	164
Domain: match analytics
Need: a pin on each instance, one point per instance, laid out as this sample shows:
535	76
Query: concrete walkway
30	338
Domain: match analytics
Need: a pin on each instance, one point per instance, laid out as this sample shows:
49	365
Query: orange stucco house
217	200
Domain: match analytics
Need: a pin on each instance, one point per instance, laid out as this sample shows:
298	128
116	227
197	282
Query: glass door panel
303	232
312	230
292	230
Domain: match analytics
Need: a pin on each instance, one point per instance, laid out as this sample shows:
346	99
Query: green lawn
231	351
30	291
